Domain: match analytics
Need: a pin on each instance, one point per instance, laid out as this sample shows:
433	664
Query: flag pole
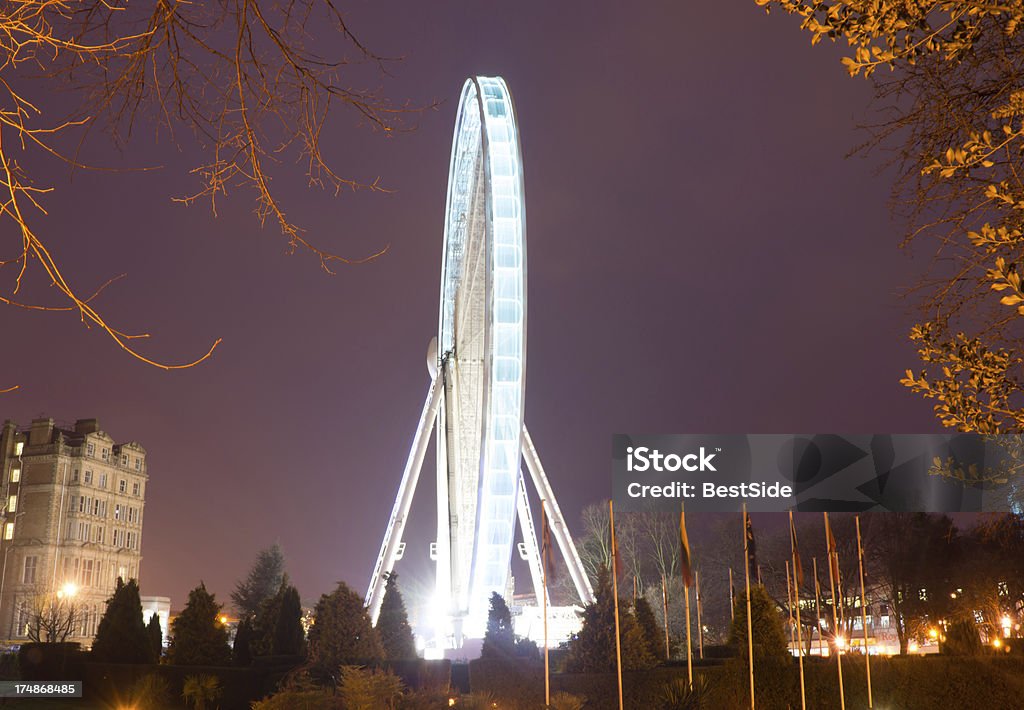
750	632
544	586
689	647
863	612
700	626
615	591
732	601
833	561
796	595
664	605
789	606
817	608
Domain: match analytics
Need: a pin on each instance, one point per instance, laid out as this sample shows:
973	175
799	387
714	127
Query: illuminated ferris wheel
477	365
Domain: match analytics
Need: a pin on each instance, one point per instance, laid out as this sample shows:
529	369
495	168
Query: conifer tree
393	624
156	636
241	652
121	636
653	634
197	636
592	650
342	633
499	639
263	581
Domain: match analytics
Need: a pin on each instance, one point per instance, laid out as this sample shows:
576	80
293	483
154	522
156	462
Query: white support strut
556	521
530	539
399	514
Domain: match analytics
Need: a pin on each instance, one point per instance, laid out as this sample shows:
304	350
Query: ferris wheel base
451	629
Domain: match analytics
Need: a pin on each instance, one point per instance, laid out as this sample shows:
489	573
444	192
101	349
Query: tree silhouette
393	624
121	636
197	636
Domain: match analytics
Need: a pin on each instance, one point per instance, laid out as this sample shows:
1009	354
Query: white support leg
556	521
396	525
530	539
442	603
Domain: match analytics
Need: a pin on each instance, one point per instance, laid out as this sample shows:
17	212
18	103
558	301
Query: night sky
702	258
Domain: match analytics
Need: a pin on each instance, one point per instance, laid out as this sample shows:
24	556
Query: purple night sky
702	258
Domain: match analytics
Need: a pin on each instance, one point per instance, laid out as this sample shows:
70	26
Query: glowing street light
997	643
933	633
70	589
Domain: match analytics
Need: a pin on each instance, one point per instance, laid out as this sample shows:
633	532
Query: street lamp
69	590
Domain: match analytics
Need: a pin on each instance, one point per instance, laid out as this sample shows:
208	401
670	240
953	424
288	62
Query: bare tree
51	618
248	81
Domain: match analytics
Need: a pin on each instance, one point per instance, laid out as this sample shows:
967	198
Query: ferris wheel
477	365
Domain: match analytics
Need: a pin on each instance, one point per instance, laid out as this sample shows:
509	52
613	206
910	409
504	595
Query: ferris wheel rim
486	164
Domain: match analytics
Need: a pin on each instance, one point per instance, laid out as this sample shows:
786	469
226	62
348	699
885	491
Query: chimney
41	432
87	426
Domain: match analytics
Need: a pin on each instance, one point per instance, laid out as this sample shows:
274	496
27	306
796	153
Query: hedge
908	683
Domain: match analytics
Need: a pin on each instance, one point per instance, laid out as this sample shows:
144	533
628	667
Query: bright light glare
70	589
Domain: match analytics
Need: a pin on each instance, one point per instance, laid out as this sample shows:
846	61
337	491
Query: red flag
684	552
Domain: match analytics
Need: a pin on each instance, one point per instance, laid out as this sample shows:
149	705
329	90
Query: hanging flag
833	552
547	554
798	568
684	552
752	568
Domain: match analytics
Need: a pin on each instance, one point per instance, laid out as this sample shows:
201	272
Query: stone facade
71	522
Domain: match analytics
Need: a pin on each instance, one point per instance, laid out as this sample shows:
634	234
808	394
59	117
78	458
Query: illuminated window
15	474
9	531
19	446
117	513
12	503
31	564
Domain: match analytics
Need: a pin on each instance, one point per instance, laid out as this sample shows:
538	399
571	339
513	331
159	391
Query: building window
9	531
138	464
19	446
106	454
103	479
119	542
88	477
136	488
83	504
12	503
72	503
124	459
86	573
74	475
90	450
96	507
100	530
31	563
117	512
132	537
122	486
15	474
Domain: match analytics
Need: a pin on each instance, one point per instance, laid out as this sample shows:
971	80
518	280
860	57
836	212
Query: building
71	515
161	606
